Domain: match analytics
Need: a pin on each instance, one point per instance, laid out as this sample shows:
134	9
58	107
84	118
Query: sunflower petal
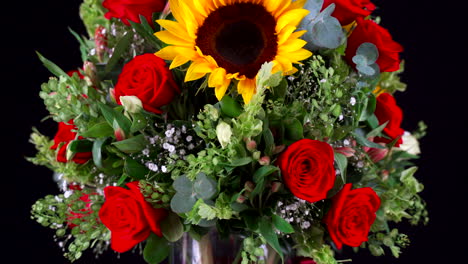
247	89
175	28
194	72
299	55
178	60
291	18
219	81
285	34
291	45
169	38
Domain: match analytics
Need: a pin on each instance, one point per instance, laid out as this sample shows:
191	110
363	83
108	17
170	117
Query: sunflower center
240	37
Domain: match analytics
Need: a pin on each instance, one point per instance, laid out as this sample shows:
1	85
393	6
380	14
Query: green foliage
92	13
390	81
252	251
47	157
71	98
157	249
72	215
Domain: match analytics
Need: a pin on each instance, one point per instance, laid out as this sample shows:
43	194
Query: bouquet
270	120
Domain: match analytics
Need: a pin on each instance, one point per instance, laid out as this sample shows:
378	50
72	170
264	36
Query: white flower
410	144
224	133
131	104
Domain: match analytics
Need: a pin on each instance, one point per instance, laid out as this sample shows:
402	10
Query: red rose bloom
369	31
129	217
65	135
307	169
132	9
351	215
347	11
388	110
148	78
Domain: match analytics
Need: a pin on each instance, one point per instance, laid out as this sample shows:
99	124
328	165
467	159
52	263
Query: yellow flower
231	39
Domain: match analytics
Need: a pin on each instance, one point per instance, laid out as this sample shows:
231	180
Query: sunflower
231	39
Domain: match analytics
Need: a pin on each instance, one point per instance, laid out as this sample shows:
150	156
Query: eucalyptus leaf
157	249
204	186
183	185
369	51
182	203
172	227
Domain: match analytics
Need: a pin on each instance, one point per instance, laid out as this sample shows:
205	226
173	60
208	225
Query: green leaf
264	171
97	151
139	122
146	31
121	47
156	250
370	104
182	203
183	185
241	162
267	231
342	163
204	186
259	187
279	91
83	46
134	169
122	179
269	141
98	130
377	131
113	116
251	219
52	67
80	146
282	225
294	129
172	227
372	121
206	212
132	145
361	140
230	107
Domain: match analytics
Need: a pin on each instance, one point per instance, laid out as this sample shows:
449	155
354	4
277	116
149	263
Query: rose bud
131	104
385	174
346	151
376	154
112	95
241	199
119	134
265	160
100	42
251	145
275	186
249	186
278	149
91	72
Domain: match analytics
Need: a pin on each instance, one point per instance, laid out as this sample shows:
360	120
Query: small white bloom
224	133
131	104
410	144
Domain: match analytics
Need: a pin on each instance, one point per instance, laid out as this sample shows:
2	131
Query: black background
435	53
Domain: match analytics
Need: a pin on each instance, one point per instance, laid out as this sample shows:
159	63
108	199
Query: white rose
224	133
131	104
410	144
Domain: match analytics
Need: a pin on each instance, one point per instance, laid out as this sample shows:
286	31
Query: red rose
132	9
351	215
388	110
347	11
129	217
369	31
148	78
307	169
65	135
300	260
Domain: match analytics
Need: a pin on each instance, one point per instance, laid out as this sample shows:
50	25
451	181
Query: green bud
155	196
166	198
258	252
60	232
